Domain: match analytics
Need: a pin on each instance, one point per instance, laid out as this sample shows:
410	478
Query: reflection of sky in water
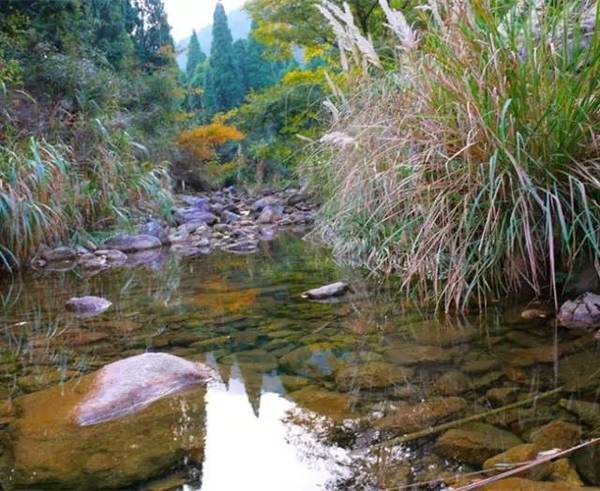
264	452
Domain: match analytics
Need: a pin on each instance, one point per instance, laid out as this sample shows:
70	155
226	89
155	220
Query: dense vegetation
89	95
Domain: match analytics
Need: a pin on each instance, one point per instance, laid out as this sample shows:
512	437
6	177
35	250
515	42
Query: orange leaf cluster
203	141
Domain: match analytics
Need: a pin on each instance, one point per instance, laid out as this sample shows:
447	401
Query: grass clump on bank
47	194
473	168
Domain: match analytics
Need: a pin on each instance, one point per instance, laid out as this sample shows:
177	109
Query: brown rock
519	454
372	375
557	434
475	443
414	418
519	484
417	354
564	472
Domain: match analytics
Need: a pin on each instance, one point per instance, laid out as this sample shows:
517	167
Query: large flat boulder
130	421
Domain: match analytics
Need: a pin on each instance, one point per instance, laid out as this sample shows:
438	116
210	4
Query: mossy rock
373	375
409	419
475	443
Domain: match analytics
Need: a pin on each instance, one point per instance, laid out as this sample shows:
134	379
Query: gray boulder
184	215
87	306
270	214
59	254
155	229
260	204
581	313
132	243
128	385
116	428
327	291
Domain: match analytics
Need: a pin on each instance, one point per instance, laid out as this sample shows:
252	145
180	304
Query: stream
304	390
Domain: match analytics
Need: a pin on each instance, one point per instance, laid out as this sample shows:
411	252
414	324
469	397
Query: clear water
301	386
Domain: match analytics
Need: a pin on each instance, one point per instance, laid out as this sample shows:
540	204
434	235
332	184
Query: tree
226	77
195	56
240	49
209	98
152	34
111	29
260	72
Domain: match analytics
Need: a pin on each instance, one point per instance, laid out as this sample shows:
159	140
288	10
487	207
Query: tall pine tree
226	76
195	56
241	58
209	97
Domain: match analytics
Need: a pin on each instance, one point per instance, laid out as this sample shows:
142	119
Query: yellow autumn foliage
203	141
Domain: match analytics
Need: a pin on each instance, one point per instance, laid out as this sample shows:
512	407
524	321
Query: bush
472	170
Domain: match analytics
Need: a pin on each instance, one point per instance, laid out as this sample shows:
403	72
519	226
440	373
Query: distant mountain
239	23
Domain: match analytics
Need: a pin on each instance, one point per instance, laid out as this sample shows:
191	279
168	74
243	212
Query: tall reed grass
473	169
50	194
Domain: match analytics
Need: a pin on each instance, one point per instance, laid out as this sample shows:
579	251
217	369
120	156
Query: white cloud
185	15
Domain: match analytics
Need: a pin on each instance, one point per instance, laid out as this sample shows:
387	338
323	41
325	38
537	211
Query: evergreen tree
226	77
195	56
111	29
260	73
152	34
241	58
209	96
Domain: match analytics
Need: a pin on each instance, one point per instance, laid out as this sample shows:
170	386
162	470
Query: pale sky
185	15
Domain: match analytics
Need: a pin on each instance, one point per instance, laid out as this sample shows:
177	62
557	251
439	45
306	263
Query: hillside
239	23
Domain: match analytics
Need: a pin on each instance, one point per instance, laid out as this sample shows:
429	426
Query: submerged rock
588	412
517	455
132	243
587	462
452	382
327	291
475	443
520	484
580	371
128	385
563	471
409	419
581	313
371	375
557	434
411	354
88	306
52	449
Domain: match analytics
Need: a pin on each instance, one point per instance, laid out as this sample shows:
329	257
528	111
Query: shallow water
303	390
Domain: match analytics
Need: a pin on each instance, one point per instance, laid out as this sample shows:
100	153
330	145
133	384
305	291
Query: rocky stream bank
228	220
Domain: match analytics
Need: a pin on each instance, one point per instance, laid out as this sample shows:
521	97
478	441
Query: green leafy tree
226	77
195	56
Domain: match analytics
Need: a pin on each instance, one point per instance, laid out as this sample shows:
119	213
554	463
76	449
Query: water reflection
263	450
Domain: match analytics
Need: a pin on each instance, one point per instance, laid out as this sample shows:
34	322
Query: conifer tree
226	77
241	58
209	98
195	56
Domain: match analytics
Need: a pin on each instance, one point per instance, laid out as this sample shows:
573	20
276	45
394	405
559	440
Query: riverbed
305	393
